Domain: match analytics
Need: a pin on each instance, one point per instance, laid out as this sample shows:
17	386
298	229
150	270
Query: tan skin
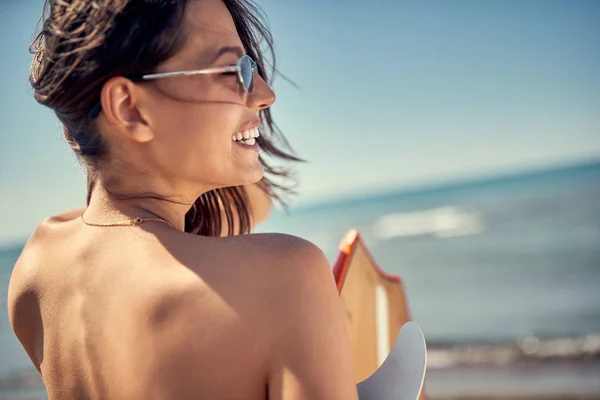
151	312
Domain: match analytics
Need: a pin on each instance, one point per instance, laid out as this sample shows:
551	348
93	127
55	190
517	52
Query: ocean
502	274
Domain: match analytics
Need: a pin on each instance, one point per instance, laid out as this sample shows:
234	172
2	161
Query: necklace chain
130	222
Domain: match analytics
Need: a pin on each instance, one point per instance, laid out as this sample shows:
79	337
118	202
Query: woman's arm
311	354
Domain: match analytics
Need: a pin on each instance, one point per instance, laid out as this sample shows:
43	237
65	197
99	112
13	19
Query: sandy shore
564	380
549	381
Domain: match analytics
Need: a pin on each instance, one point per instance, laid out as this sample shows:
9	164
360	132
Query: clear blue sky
393	93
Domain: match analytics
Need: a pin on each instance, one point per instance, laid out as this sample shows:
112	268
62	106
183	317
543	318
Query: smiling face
183	128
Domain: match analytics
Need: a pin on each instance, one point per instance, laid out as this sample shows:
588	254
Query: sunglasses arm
217	70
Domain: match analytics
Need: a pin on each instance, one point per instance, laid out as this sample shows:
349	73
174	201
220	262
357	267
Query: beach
502	274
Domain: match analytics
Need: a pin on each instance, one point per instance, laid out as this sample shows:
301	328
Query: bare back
114	313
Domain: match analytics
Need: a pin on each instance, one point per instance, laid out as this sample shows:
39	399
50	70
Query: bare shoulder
278	247
242	273
297	281
270	264
280	263
22	290
54	220
24	279
272	302
295	276
304	321
64	216
25	289
265	259
262	278
235	296
295	271
295	263
45	232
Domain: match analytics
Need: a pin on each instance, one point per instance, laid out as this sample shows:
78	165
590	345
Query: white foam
529	348
440	222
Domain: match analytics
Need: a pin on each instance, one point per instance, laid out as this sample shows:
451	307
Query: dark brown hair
83	43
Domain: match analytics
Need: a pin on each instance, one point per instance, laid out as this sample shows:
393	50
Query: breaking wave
440	222
528	350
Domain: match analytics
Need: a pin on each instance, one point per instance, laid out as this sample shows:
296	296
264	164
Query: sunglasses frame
206	71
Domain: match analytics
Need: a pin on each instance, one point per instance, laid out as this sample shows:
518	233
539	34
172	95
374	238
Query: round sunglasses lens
247	73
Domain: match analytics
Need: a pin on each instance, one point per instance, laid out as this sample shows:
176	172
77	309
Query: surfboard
375	303
402	374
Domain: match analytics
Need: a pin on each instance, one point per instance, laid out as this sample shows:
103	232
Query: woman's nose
262	96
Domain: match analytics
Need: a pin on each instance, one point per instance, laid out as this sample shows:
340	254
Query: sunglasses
244	69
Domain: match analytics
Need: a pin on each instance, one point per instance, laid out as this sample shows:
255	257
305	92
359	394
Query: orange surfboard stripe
346	250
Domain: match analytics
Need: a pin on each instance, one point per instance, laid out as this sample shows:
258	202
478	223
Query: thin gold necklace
130	222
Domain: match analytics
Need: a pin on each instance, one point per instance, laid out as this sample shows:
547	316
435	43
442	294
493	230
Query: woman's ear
121	106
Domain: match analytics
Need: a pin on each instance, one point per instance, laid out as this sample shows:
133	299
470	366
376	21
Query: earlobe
120	99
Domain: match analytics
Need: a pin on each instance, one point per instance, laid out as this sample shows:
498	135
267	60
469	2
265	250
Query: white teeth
248	142
249	134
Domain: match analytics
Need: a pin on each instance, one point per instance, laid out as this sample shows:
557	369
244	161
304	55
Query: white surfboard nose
402	374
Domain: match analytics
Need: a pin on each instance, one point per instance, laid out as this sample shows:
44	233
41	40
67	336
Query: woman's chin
255	175
247	175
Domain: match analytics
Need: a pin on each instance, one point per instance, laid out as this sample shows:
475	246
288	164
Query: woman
138	296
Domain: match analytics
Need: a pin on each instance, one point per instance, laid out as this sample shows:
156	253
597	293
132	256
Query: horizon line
449	182
412	188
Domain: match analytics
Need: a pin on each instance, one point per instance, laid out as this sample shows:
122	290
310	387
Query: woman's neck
114	203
